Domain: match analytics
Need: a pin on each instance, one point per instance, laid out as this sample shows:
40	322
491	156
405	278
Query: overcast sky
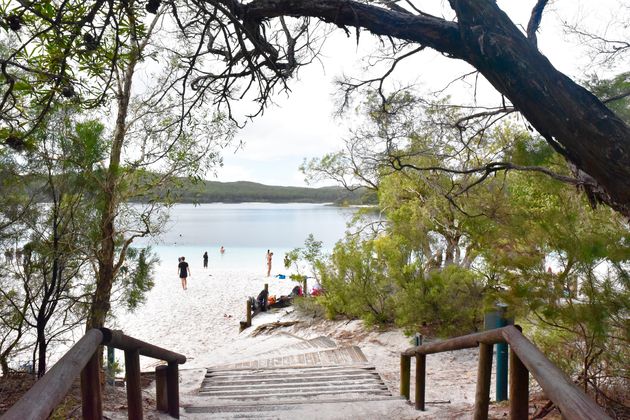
301	125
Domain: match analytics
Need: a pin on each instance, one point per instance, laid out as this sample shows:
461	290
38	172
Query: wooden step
281	369
350	355
357	394
290	380
288	383
292	392
285	405
317	343
294	374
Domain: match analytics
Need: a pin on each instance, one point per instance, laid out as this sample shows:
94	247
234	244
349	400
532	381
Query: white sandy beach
203	324
201	320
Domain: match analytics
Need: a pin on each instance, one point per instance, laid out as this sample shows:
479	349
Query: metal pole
111	359
502	358
493	320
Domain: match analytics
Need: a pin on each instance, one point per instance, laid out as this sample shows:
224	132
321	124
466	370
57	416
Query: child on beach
205	259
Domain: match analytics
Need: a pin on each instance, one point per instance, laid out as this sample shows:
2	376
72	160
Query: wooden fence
83	359
525	358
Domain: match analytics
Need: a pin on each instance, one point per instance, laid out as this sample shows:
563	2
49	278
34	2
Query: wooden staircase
312	378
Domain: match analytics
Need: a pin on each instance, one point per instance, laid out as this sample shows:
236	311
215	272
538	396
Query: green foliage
437	262
377	281
609	89
305	259
45	281
136	276
69	62
357	284
448	301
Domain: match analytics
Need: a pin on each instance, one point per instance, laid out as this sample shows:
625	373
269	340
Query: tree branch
534	20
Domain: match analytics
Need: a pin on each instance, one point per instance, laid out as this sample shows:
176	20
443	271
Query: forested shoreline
186	191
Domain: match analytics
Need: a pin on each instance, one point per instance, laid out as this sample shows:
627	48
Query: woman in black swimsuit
184	271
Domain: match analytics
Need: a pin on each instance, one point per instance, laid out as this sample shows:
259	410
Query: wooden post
267	287
405	374
172	389
421	367
484	374
91	406
519	388
161	397
249	313
134	390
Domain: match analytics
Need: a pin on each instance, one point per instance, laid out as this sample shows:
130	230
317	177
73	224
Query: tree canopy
235	47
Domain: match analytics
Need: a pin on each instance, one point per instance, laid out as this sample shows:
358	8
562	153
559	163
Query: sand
203	324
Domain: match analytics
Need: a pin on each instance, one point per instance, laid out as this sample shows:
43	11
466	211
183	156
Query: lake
246	231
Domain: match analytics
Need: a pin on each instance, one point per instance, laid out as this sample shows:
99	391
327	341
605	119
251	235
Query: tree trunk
41	350
4	365
105	276
106	253
452	249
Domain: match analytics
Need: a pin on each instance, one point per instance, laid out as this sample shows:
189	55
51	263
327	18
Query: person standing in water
184	272
269	257
205	259
222	250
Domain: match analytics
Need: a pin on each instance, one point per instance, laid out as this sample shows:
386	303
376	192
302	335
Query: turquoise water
246	231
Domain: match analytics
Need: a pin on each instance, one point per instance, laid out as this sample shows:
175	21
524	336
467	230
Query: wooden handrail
524	357
82	359
117	339
573	402
46	394
459	343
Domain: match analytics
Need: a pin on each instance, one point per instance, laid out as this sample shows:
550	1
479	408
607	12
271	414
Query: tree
445	236
254	43
89	54
45	285
571	119
150	145
564	268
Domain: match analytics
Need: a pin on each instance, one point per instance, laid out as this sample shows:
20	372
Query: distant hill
243	191
186	190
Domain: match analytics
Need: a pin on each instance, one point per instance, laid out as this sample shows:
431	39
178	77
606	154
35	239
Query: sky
301	125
